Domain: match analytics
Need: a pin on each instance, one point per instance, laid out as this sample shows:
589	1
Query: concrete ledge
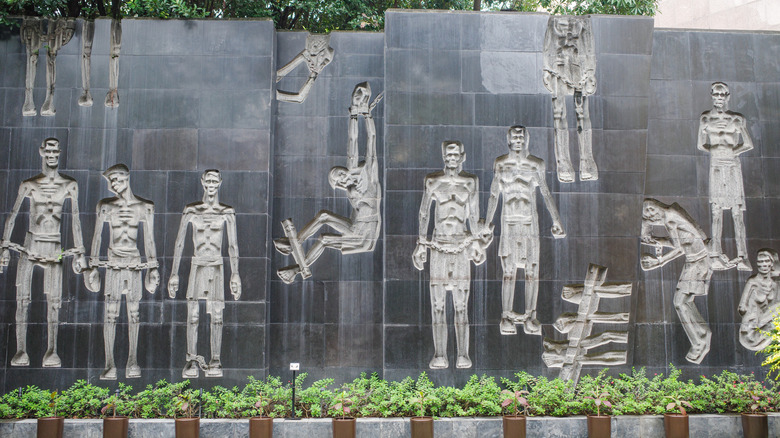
649	426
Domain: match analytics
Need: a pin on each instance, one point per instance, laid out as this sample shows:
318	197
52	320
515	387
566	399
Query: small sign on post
294	367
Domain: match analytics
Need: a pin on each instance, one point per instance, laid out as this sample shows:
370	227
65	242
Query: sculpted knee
134	317
193	318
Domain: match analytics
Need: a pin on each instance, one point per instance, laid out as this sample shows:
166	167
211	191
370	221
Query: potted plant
421	425
599	426
261	426
514	425
189	425
676	424
113	426
343	426
755	423
51	427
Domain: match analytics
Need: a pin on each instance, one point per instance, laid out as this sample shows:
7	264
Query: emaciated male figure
724	134
47	193
209	218
454	246
124	214
516	176
687	239
359	232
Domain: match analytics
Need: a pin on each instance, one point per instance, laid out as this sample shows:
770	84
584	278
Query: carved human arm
746	293
557	229
92	280
495	192
290	66
420	255
701	142
473	216
747	143
371	161
79	261
235	280
352	141
178	249
5	255
152	275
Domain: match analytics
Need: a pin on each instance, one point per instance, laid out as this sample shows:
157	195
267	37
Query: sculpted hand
547	80
420	256
5	258
557	231
376	101
649	262
235	286
152	280
92	280
173	285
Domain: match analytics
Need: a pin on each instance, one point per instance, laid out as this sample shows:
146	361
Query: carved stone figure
724	134
87	36
61	31
123	214
685	238
454	245
570	355
46	193
32	36
317	54
115	43
759	303
359	232
516	176
570	69
208	218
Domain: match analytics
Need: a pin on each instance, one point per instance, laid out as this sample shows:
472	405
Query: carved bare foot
133	371
282	245
565	171
28	109
697	352
588	170
463	362
85	99
51	359
514	316
112	99
507	327
438	363
108	374
21	359
48	107
215	369
743	264
719	262
288	274
532	326
191	370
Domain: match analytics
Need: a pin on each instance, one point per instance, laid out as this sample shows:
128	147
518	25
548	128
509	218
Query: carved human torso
452	194
124	217
208	223
517	179
47	195
722	131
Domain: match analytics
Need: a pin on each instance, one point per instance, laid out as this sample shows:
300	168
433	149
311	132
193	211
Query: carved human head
316	43
720	95
453	153
361	96
653	210
211	180
338	177
118	177
50	152
768	261
517	138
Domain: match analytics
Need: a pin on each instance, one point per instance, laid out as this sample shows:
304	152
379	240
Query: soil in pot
343	428
261	427
187	427
115	427
50	427
755	426
676	425
514	426
599	426
422	427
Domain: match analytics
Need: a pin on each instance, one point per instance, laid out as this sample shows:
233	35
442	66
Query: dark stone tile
229	37
301	343
625	112
624	75
671	55
166	109
673	100
234	109
411	70
729	56
768	96
507	110
430	109
408	30
765	66
622	151
300	302
174	149
495	351
406	302
359	345
509	32
631	35
25	145
365	42
671	175
252	232
671	137
360	65
177	72
420	147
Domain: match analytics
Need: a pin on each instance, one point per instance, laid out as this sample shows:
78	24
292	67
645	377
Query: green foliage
772	351
579	7
82	400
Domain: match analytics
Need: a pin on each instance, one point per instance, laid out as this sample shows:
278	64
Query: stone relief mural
114	45
87	37
570	69
317	54
759	303
570	355
360	180
60	31
516	176
209	219
46	193
725	136
124	215
458	239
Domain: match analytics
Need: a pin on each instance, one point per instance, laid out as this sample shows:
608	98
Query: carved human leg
508	316
60	32
112	97
717	230
739	234
47	109
565	170
52	287
588	169
109	336
134	320
439	327
694	325
191	370
23	283
87	36
215	365
460	300
31	37
532	325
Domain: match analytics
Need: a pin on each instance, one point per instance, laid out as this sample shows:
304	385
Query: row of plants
626	394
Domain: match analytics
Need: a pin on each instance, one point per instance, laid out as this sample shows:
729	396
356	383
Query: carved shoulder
432	178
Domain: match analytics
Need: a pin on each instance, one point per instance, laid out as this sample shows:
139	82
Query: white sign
295	366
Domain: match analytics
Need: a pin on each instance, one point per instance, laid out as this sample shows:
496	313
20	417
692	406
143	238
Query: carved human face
211	182
453	156
720	98
339	177
316	43
118	182
51	154
651	212
517	140
764	262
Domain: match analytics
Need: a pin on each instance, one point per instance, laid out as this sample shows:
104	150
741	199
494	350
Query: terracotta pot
50	427
115	427
599	426
514	426
755	426
676	425
261	427
187	427
422	427
344	427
